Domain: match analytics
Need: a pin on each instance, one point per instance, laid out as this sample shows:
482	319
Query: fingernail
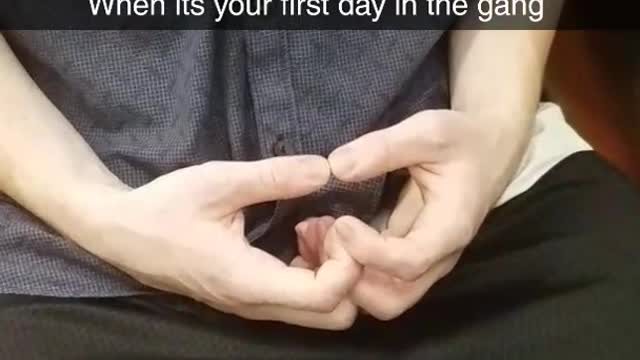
316	168
327	221
303	247
343	229
342	162
301	228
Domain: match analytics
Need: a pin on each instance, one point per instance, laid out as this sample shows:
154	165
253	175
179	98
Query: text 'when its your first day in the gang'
372	9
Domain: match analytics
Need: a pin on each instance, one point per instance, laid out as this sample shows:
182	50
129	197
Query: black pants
554	274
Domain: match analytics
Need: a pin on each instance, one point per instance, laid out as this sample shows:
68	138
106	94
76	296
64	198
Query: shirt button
282	147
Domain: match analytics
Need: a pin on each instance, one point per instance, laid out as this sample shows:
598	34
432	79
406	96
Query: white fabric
553	141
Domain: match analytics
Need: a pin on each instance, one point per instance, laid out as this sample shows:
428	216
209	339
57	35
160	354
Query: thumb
403	145
311	235
250	183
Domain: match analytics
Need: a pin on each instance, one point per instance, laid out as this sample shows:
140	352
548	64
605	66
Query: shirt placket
274	102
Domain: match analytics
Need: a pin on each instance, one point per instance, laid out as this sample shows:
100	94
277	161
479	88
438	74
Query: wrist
89	207
504	128
506	138
72	204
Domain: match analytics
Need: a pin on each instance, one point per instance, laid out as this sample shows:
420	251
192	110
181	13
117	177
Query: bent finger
300	288
406	211
416	140
340	318
386	298
393	255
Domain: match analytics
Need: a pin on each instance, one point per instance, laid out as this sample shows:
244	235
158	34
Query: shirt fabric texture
150	102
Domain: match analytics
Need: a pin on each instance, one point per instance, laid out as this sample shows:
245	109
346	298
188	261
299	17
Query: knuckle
327	301
413	265
345	319
332	293
458	234
382	303
438	131
269	175
387	311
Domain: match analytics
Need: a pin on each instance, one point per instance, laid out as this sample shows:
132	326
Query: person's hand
184	233
459	167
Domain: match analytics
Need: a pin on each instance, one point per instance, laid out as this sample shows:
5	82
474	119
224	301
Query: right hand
184	233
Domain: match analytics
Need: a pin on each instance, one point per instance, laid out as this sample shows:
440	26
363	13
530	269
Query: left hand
459	167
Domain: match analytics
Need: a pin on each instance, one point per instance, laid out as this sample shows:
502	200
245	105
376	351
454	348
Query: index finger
304	289
418	139
442	227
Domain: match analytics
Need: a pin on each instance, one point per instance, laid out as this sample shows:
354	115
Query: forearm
496	79
497	75
45	165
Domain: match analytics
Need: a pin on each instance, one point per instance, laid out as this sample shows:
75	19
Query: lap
551	274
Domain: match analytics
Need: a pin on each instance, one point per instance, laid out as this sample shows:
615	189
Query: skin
184	232
460	161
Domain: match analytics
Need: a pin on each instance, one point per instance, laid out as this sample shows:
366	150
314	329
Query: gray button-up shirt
149	103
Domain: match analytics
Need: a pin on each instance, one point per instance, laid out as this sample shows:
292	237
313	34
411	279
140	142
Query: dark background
595	76
76	14
593	71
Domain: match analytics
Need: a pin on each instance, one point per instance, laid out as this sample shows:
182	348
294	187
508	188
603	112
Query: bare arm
460	161
496	78
184	231
45	165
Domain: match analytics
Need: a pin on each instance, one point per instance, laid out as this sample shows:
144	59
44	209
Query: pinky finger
300	262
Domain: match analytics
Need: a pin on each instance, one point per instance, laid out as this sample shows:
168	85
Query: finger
386	298
249	183
311	234
341	318
449	219
298	288
305	245
447	222
411	142
300	262
408	207
321	233
393	255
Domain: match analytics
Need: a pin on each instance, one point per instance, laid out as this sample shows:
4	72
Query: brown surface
595	77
